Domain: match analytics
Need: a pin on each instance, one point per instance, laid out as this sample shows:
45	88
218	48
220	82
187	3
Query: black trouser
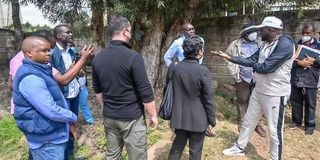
195	144
304	97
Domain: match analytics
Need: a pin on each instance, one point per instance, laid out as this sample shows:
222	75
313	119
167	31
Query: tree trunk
16	22
171	35
152	47
97	25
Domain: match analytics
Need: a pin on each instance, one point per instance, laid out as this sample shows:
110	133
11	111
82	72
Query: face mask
200	57
252	36
306	39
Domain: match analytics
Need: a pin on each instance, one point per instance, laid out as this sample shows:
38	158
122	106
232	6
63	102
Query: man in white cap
245	46
272	65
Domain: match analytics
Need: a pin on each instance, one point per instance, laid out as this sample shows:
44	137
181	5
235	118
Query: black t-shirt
119	74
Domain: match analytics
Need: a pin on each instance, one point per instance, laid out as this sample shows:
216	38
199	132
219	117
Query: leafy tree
16	21
81	30
28	27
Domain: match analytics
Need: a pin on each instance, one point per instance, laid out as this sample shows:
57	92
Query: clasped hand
306	62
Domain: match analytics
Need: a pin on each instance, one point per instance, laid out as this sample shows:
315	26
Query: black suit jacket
193	107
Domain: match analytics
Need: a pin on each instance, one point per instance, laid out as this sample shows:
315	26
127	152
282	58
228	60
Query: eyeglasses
189	29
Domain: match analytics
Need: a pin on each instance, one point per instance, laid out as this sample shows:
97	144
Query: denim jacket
57	62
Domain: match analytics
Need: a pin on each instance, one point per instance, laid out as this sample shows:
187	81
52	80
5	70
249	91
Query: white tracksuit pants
273	109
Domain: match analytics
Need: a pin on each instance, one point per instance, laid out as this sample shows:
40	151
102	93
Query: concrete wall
7	46
226	29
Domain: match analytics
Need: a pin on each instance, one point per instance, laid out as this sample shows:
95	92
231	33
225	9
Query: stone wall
7	47
226	29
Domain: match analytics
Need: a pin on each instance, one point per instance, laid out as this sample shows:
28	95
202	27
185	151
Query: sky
34	16
29	14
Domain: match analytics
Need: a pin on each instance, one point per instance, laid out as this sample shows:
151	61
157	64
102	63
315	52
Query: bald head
188	29
31	42
36	49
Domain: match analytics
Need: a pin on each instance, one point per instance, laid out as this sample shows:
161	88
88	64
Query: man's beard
265	37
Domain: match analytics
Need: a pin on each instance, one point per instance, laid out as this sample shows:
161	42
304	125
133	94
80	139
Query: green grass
228	96
13	145
101	140
318	120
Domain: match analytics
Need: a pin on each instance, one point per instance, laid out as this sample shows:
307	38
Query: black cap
247	27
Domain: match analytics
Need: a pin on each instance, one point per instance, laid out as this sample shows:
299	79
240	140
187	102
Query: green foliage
28	27
227	109
8	130
81	30
153	137
318	119
226	95
66	11
301	14
124	157
142	11
12	146
101	142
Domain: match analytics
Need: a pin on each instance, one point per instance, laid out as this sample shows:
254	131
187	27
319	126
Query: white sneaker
233	151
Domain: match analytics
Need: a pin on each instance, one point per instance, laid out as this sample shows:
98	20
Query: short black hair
192	45
117	23
57	30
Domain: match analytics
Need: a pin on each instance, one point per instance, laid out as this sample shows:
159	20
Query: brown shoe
261	132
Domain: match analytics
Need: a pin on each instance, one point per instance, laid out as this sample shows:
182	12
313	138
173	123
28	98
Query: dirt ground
297	145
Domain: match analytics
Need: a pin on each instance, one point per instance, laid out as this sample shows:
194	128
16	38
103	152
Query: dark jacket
193	106
308	77
35	126
57	62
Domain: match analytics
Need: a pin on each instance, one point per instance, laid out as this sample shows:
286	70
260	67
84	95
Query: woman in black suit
193	109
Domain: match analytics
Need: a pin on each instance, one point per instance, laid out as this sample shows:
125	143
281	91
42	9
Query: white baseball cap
271	21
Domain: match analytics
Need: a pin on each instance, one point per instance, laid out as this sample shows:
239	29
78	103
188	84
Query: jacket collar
47	69
190	60
314	44
61	48
120	43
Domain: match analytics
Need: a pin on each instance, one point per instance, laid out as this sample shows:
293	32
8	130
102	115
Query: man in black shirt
123	89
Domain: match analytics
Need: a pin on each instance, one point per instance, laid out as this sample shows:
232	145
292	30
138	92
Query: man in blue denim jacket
41	111
63	58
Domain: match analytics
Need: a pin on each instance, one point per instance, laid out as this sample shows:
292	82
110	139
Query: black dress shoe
309	131
294	125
